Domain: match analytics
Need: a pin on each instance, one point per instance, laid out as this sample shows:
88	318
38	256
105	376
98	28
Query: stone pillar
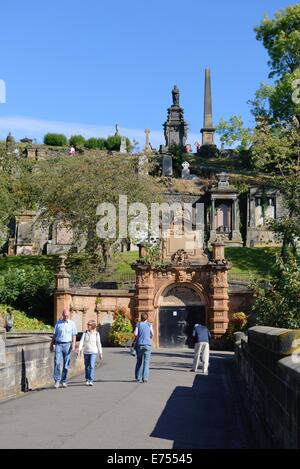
145	294
234	216
219	292
142	251
218	251
219	304
62	294
213	211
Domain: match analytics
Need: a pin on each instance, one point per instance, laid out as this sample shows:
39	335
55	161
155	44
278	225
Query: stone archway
208	280
180	307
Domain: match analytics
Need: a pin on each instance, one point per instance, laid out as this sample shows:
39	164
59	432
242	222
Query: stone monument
167	166
123	147
175	127
185	173
143	165
147	147
208	130
224	214
117	132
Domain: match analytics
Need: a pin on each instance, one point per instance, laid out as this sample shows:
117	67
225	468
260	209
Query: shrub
27	288
77	141
121	330
55	140
238	323
101	143
277	299
91	143
113	143
21	320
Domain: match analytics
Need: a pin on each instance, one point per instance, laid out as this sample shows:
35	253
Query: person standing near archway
143	333
202	336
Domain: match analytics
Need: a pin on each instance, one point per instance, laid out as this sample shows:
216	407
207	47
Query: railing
245	277
119	281
108	281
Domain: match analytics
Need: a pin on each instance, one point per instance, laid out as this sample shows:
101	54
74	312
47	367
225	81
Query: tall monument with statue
175	127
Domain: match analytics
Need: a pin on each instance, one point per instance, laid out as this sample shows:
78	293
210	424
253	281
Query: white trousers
201	349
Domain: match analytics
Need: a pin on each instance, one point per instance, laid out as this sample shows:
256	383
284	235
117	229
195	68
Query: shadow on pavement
204	415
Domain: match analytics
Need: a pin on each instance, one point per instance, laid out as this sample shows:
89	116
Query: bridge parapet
268	360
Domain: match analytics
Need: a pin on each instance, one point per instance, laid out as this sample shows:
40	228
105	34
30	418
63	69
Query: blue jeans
142	362
89	363
62	351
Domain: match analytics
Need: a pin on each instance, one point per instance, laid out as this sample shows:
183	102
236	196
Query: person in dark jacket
202	336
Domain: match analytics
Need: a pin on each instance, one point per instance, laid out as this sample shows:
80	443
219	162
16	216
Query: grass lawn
256	260
11	262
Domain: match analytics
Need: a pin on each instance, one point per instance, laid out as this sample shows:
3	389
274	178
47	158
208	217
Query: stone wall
92	304
26	363
240	300
99	304
268	361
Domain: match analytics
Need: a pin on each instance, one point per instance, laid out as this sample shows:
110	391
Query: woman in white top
91	344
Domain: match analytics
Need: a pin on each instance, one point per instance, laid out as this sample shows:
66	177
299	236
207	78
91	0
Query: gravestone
123	147
167	166
185	173
147	148
143	165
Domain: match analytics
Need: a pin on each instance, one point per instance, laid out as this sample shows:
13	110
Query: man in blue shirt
64	338
143	333
202	336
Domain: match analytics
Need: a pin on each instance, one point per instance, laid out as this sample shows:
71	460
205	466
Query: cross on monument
147	143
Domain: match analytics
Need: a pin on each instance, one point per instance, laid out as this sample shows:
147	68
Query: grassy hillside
22	320
256	260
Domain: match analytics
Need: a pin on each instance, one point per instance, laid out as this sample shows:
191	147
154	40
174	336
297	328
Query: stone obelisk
208	130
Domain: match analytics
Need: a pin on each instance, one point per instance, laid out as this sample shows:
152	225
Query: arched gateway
182	293
180	307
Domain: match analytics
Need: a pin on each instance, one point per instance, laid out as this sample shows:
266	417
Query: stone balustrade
26	363
268	361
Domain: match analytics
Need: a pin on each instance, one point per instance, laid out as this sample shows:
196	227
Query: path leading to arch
176	409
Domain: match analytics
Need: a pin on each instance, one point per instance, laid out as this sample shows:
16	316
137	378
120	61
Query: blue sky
80	67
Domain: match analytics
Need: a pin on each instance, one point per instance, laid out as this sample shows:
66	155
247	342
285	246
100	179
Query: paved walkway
175	409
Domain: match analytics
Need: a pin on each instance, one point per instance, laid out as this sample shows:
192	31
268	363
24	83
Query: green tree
55	140
281	38
233	131
101	143
91	143
16	191
113	143
72	189
277	151
77	141
178	155
277	301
